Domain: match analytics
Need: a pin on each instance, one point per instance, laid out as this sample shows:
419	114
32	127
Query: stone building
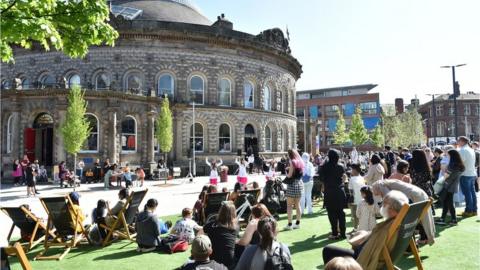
439	117
243	87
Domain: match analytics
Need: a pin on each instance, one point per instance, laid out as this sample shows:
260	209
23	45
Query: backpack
278	261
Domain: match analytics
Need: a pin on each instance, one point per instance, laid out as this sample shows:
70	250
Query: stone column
150	137
112	151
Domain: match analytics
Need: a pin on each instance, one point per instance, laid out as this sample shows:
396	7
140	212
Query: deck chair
17	250
404	226
61	219
124	220
211	204
28	223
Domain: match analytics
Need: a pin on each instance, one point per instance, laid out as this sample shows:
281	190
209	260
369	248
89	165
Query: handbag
438	186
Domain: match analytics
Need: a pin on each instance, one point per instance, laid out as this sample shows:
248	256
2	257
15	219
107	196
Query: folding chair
27	222
404	226
125	218
211	204
17	250
65	224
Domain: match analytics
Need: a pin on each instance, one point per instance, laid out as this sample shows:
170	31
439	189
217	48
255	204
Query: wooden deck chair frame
123	230
205	202
57	240
38	225
17	250
393	230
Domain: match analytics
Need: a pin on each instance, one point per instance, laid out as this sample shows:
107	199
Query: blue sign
349	109
313	112
332	124
370	122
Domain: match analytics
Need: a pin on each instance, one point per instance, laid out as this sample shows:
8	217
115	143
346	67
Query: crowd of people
372	185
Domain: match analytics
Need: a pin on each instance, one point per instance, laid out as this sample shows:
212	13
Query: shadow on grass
310	243
118	255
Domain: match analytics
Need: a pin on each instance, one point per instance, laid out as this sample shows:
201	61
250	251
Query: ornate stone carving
274	37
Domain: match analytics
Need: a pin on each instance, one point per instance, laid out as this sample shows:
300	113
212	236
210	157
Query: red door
29	143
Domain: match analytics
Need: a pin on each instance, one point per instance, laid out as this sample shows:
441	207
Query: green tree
164	131
76	128
340	136
68	26
377	136
358	133
410	128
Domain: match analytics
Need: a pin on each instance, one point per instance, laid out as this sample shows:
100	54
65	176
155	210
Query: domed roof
165	10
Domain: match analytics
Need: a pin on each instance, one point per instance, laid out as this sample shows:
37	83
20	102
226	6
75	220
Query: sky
399	45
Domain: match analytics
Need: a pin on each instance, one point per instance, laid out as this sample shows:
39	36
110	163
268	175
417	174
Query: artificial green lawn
456	247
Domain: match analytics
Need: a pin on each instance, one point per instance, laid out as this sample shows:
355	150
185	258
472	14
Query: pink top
18	171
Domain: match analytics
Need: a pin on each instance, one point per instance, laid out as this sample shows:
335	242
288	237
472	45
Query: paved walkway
172	197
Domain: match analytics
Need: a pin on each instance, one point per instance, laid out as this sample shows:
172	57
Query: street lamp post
434	116
454	96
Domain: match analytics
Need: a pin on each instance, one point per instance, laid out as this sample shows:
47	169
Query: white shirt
366	216
242	169
354	156
309	169
468	158
184	229
355	184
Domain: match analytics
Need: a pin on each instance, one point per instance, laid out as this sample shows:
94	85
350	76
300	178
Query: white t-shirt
355	183
184	229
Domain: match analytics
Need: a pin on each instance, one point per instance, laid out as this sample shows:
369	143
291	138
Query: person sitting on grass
201	251
251	235
256	256
185	227
198	207
236	192
223	233
149	228
367	245
76	211
343	263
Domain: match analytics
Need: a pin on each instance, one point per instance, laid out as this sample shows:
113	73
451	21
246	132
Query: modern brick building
440	120
243	86
317	113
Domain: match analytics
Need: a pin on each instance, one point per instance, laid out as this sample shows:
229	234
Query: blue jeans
467	184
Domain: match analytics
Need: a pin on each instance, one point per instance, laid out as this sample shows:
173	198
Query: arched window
47	80
165	85
102	81
134	81
284	140
280	103
224	138
268	139
249	131
129	134
267	103
285	102
224	92
6	84
248	92
91	144
25	83
73	80
197	87
198	137
440	128
10	134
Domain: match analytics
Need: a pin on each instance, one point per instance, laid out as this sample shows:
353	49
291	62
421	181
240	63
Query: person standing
452	178
17	172
62	172
242	171
354	156
421	172
468	178
97	171
294	187
307	178
36	170
436	163
375	171
390	160
24	164
213	170
79	172
29	176
355	183
332	175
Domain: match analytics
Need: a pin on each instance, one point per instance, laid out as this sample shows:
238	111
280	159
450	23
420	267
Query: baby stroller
72	179
274	197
